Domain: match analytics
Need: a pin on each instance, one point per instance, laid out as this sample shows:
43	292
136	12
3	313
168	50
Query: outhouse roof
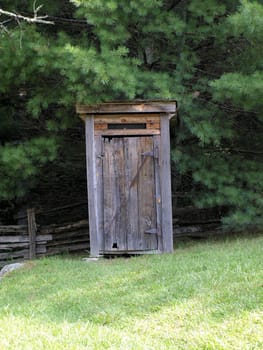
128	107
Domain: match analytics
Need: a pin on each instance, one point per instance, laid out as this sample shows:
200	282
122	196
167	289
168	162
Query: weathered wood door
129	198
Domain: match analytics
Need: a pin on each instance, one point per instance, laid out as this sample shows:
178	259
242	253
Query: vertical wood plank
115	201
146	194
121	194
99	179
165	167
109	205
32	229
158	195
131	160
92	187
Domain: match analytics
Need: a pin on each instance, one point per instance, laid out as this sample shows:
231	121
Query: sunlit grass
204	296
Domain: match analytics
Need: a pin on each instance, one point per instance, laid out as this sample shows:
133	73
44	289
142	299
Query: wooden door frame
95	198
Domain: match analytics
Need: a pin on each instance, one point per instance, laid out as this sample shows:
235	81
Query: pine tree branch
234	150
34	19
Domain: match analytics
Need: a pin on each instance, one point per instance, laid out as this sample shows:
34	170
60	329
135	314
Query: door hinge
153	153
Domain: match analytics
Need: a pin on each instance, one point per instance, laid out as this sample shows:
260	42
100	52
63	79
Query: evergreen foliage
206	55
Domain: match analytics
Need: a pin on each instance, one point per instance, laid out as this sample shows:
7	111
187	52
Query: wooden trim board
92	188
128	107
127	132
165	180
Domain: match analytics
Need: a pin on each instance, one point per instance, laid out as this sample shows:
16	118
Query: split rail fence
31	240
23	242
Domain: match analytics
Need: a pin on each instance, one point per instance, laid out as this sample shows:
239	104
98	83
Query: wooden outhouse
128	175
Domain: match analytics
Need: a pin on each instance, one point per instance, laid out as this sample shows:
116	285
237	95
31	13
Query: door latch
152	231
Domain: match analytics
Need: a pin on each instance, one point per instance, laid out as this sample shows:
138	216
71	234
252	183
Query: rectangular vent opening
122	126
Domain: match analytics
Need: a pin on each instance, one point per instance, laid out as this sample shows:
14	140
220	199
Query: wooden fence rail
23	242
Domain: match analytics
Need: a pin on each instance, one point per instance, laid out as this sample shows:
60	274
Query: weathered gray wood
40	238
99	174
131	252
69	234
14	239
126	118
7	248
146	191
66	248
41	249
69	237
92	187
122	218
131	171
21	229
165	172
127	132
32	230
24	253
12	246
83	224
158	194
128	107
23	239
114	194
69	242
109	208
128	180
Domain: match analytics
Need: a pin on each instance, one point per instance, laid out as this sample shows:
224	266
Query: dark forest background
207	55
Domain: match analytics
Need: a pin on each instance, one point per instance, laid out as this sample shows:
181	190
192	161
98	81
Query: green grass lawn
204	296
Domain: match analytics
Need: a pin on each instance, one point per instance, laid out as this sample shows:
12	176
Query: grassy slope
204	296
